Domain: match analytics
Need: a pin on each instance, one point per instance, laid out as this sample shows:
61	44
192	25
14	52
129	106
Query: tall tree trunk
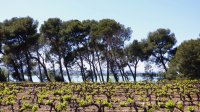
68	75
135	72
91	72
121	75
162	60
8	76
60	67
17	72
164	66
45	71
41	78
94	72
43	66
82	65
108	65
93	66
118	65
22	71
82	68
98	59
114	74
125	75
100	79
54	71
28	67
108	74
131	72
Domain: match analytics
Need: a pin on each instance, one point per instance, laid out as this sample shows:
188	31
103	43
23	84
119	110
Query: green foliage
161	43
82	103
61	106
186	62
76	43
20	35
67	97
191	108
137	51
25	106
170	105
123	104
35	108
130	100
49	102
64	96
180	105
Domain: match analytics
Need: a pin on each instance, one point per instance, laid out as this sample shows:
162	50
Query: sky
182	17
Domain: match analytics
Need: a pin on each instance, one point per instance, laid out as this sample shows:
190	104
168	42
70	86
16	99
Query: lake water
78	78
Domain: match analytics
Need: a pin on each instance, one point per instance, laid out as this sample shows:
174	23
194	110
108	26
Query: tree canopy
161	42
95	50
186	62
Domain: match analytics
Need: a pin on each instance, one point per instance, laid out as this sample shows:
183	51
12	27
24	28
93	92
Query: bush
58	78
186	62
3	77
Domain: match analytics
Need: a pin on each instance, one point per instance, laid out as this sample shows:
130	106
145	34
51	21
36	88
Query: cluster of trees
95	48
186	62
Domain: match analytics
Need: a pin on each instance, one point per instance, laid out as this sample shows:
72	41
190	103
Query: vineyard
172	96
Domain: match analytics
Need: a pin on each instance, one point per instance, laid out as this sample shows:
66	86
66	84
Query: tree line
94	48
